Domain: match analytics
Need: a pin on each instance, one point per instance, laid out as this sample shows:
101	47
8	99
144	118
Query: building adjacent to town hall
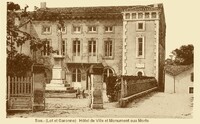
125	40
179	79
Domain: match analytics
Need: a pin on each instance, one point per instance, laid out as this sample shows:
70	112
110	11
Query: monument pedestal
57	82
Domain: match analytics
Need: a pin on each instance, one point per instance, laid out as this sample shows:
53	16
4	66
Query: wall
35	28
169	83
182	82
115	63
149	46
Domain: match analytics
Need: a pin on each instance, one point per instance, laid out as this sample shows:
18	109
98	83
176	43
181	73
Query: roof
177	69
90	12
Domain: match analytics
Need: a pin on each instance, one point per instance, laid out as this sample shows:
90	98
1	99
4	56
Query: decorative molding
142	8
124	50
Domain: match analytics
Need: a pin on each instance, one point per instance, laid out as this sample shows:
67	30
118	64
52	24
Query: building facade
179	79
125	40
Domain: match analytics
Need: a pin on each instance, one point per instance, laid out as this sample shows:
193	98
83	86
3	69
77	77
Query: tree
184	55
19	65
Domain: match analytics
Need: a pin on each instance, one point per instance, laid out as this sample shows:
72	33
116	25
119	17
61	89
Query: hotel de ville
124	40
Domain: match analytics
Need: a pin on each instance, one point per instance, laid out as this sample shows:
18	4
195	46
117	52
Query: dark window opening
140	25
76	48
108	48
107	73
92	48
140	47
63	47
191	90
192	77
139	74
76	75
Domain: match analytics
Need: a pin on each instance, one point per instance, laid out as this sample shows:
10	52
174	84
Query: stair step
60	95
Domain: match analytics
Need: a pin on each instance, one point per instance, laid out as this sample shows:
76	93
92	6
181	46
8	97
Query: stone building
125	40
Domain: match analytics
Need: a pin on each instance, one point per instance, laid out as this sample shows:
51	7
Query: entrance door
76	78
106	73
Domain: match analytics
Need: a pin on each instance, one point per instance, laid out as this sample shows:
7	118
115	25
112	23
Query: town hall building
123	40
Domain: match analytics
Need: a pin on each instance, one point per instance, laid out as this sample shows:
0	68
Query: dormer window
140	15
63	29
108	28
133	15
146	15
46	29
76	29
92	29
153	15
127	15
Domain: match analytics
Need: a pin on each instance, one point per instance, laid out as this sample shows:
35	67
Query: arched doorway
139	74
106	73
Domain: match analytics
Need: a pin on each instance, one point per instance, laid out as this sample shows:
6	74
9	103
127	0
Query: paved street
154	105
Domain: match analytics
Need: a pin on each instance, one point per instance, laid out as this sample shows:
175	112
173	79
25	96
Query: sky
181	16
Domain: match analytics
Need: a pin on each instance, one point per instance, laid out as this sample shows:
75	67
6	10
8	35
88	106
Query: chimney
155	5
43	5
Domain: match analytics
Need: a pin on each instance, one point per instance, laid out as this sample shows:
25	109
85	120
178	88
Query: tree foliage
12	6
19	65
184	55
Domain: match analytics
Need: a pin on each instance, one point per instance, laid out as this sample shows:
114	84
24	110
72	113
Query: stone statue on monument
56	83
59	34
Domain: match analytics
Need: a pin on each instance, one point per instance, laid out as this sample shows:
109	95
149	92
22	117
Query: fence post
122	87
8	85
32	92
25	87
125	88
12	88
18	85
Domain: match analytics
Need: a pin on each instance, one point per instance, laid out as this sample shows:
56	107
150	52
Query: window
146	15
133	15
46	48
109	29
107	73
76	47
127	16
76	75
140	26
140	47
139	74
140	15
108	48
46	29
92	48
92	29
63	29
192	77
76	29
191	90
63	47
153	15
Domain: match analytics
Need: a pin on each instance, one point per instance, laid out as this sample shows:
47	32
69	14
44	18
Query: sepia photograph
85	61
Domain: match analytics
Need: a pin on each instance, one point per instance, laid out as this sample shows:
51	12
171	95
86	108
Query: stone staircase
70	92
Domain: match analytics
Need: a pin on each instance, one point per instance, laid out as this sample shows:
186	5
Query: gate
19	93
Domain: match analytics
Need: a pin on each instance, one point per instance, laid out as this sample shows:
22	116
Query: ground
153	105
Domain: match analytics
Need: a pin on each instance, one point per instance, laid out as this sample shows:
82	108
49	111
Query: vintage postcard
92	61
